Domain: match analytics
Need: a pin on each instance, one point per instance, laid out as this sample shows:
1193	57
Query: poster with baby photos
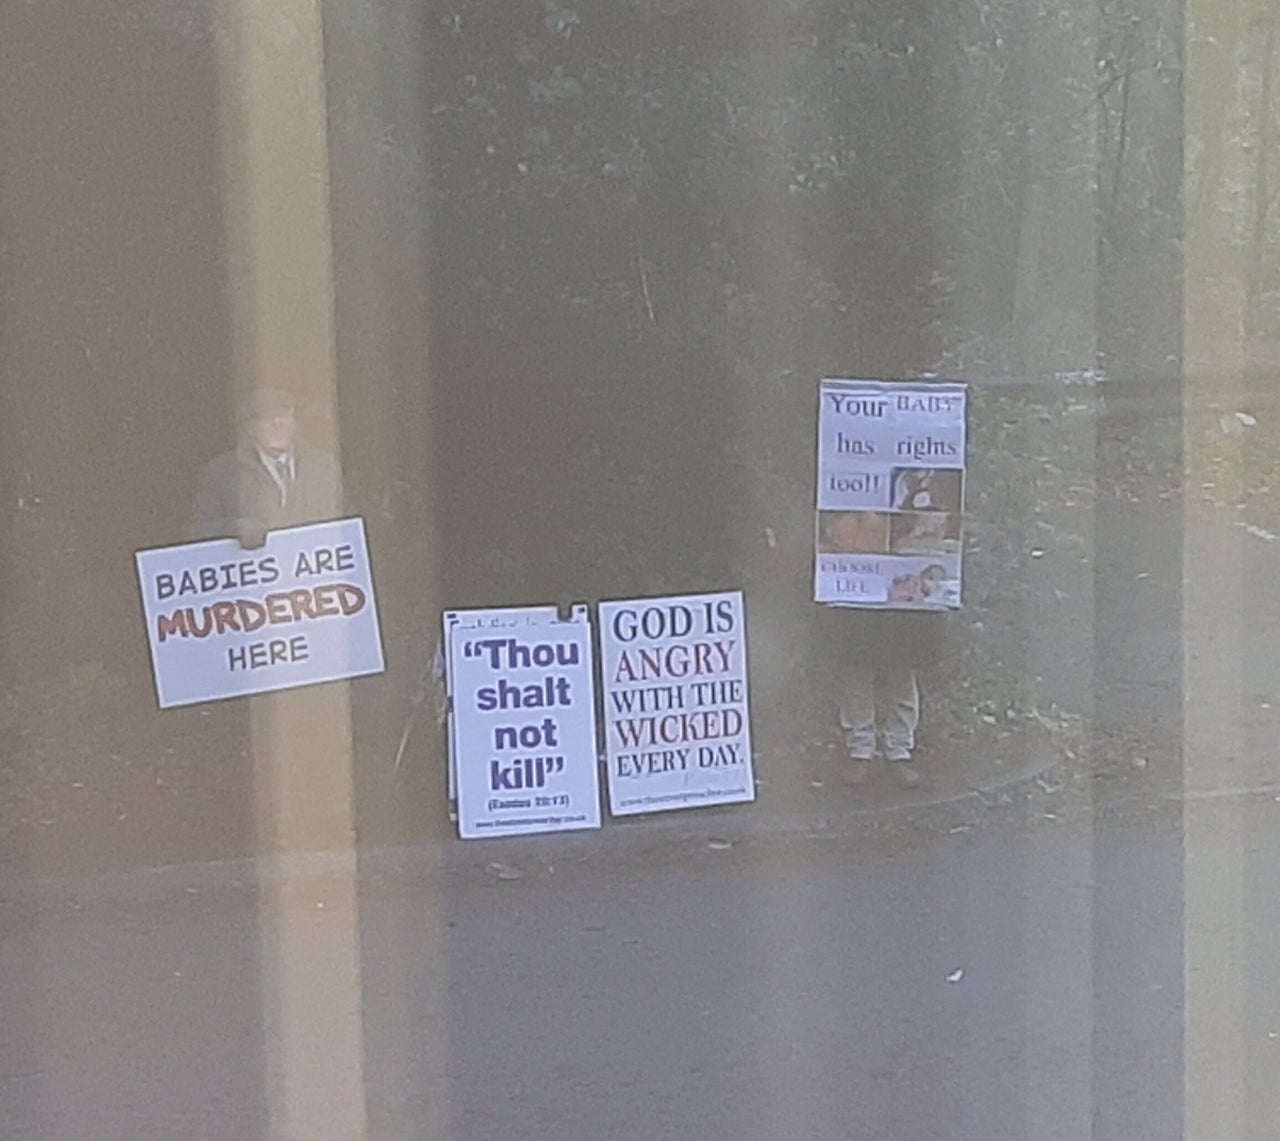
890	494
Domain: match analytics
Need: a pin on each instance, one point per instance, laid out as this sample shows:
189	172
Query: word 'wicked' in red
677	728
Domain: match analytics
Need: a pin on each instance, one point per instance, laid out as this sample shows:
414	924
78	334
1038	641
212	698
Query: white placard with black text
889	529
677	714
508	618
524	721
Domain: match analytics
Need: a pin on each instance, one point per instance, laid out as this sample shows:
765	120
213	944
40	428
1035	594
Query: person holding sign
267	481
889	548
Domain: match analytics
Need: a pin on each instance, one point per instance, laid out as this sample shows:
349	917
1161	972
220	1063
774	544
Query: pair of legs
880	704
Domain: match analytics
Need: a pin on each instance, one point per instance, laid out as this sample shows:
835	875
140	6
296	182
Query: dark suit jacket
236	487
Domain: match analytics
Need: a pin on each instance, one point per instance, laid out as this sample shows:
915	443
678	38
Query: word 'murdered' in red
244	615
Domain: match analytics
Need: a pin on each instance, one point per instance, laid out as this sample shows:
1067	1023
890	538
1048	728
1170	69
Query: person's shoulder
316	462
312	455
222	464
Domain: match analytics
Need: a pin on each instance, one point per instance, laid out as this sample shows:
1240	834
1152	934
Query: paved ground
1023	980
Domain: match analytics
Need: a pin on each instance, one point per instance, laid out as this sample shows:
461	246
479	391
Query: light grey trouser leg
899	703
858	711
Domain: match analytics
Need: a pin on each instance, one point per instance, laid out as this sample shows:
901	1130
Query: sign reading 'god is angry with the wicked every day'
524	716
226	622
678	727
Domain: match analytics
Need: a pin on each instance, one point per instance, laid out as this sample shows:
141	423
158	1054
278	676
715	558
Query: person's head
266	417
905	588
932	579
914	491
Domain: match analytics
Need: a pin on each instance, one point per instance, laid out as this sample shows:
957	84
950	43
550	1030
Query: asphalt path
1020	981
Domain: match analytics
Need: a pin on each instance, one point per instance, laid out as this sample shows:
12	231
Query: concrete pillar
1213	744
275	147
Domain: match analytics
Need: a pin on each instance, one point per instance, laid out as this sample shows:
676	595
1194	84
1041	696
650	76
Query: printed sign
890	495
493	619
675	693
524	719
226	622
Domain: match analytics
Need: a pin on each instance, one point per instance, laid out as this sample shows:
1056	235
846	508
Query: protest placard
510	618
524	722
223	621
676	703
890	494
